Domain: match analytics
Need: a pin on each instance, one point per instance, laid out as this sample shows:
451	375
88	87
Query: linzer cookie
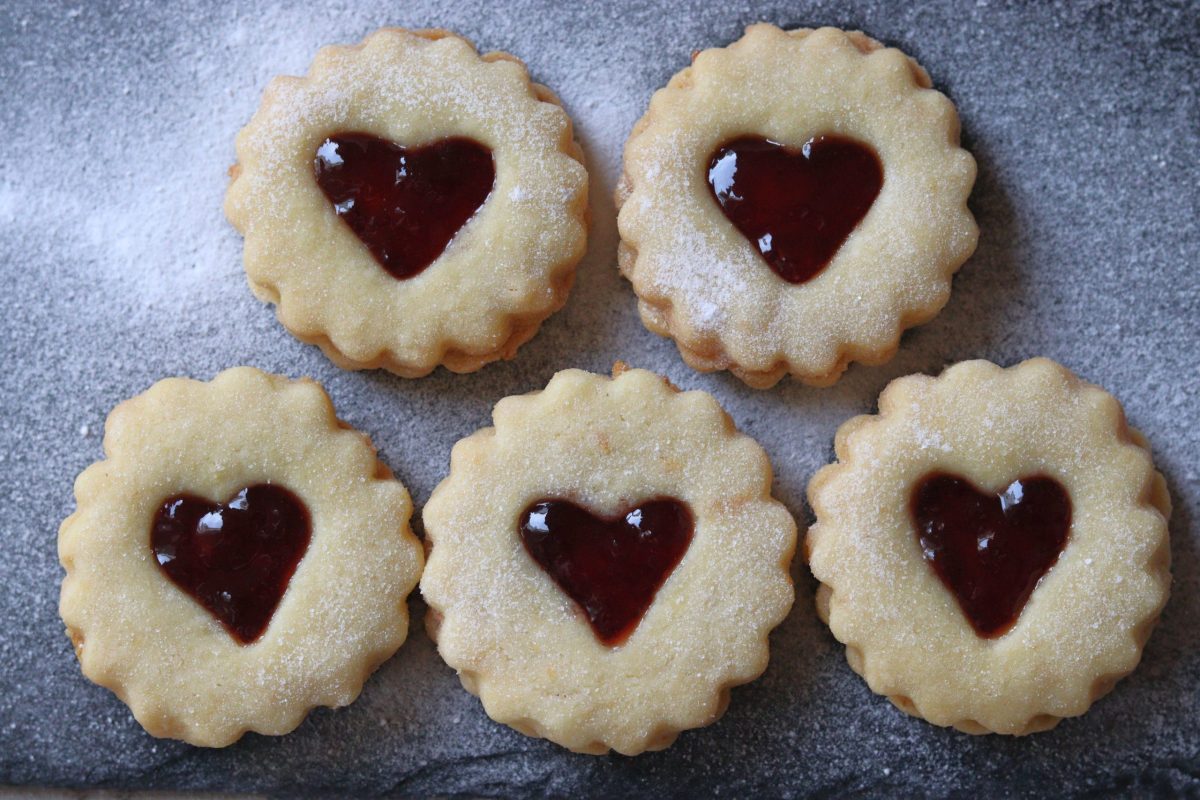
238	558
607	561
992	547
793	202
410	203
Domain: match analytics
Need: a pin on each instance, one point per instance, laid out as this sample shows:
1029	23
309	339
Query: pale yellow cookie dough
1085	624
508	268
523	646
181	673
700	282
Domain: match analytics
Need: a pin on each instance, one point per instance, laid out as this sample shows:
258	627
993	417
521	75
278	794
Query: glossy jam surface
991	550
234	558
612	567
405	204
795	205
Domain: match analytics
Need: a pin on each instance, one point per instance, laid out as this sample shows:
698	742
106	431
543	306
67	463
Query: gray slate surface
118	269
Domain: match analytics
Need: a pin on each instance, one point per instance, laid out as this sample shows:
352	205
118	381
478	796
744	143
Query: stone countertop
119	269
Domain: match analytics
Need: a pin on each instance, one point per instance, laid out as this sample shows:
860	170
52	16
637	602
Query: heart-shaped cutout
991	550
404	203
795	205
612	567
234	558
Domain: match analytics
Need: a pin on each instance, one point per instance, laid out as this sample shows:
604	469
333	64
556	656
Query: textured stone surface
118	269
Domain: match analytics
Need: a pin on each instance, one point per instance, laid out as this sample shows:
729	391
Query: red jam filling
991	550
404	203
234	558
795	205
612	567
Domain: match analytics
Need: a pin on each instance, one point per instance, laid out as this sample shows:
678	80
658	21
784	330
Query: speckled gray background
118	269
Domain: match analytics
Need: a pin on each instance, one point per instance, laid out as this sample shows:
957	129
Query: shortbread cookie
239	558
410	203
992	547
793	202
607	561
